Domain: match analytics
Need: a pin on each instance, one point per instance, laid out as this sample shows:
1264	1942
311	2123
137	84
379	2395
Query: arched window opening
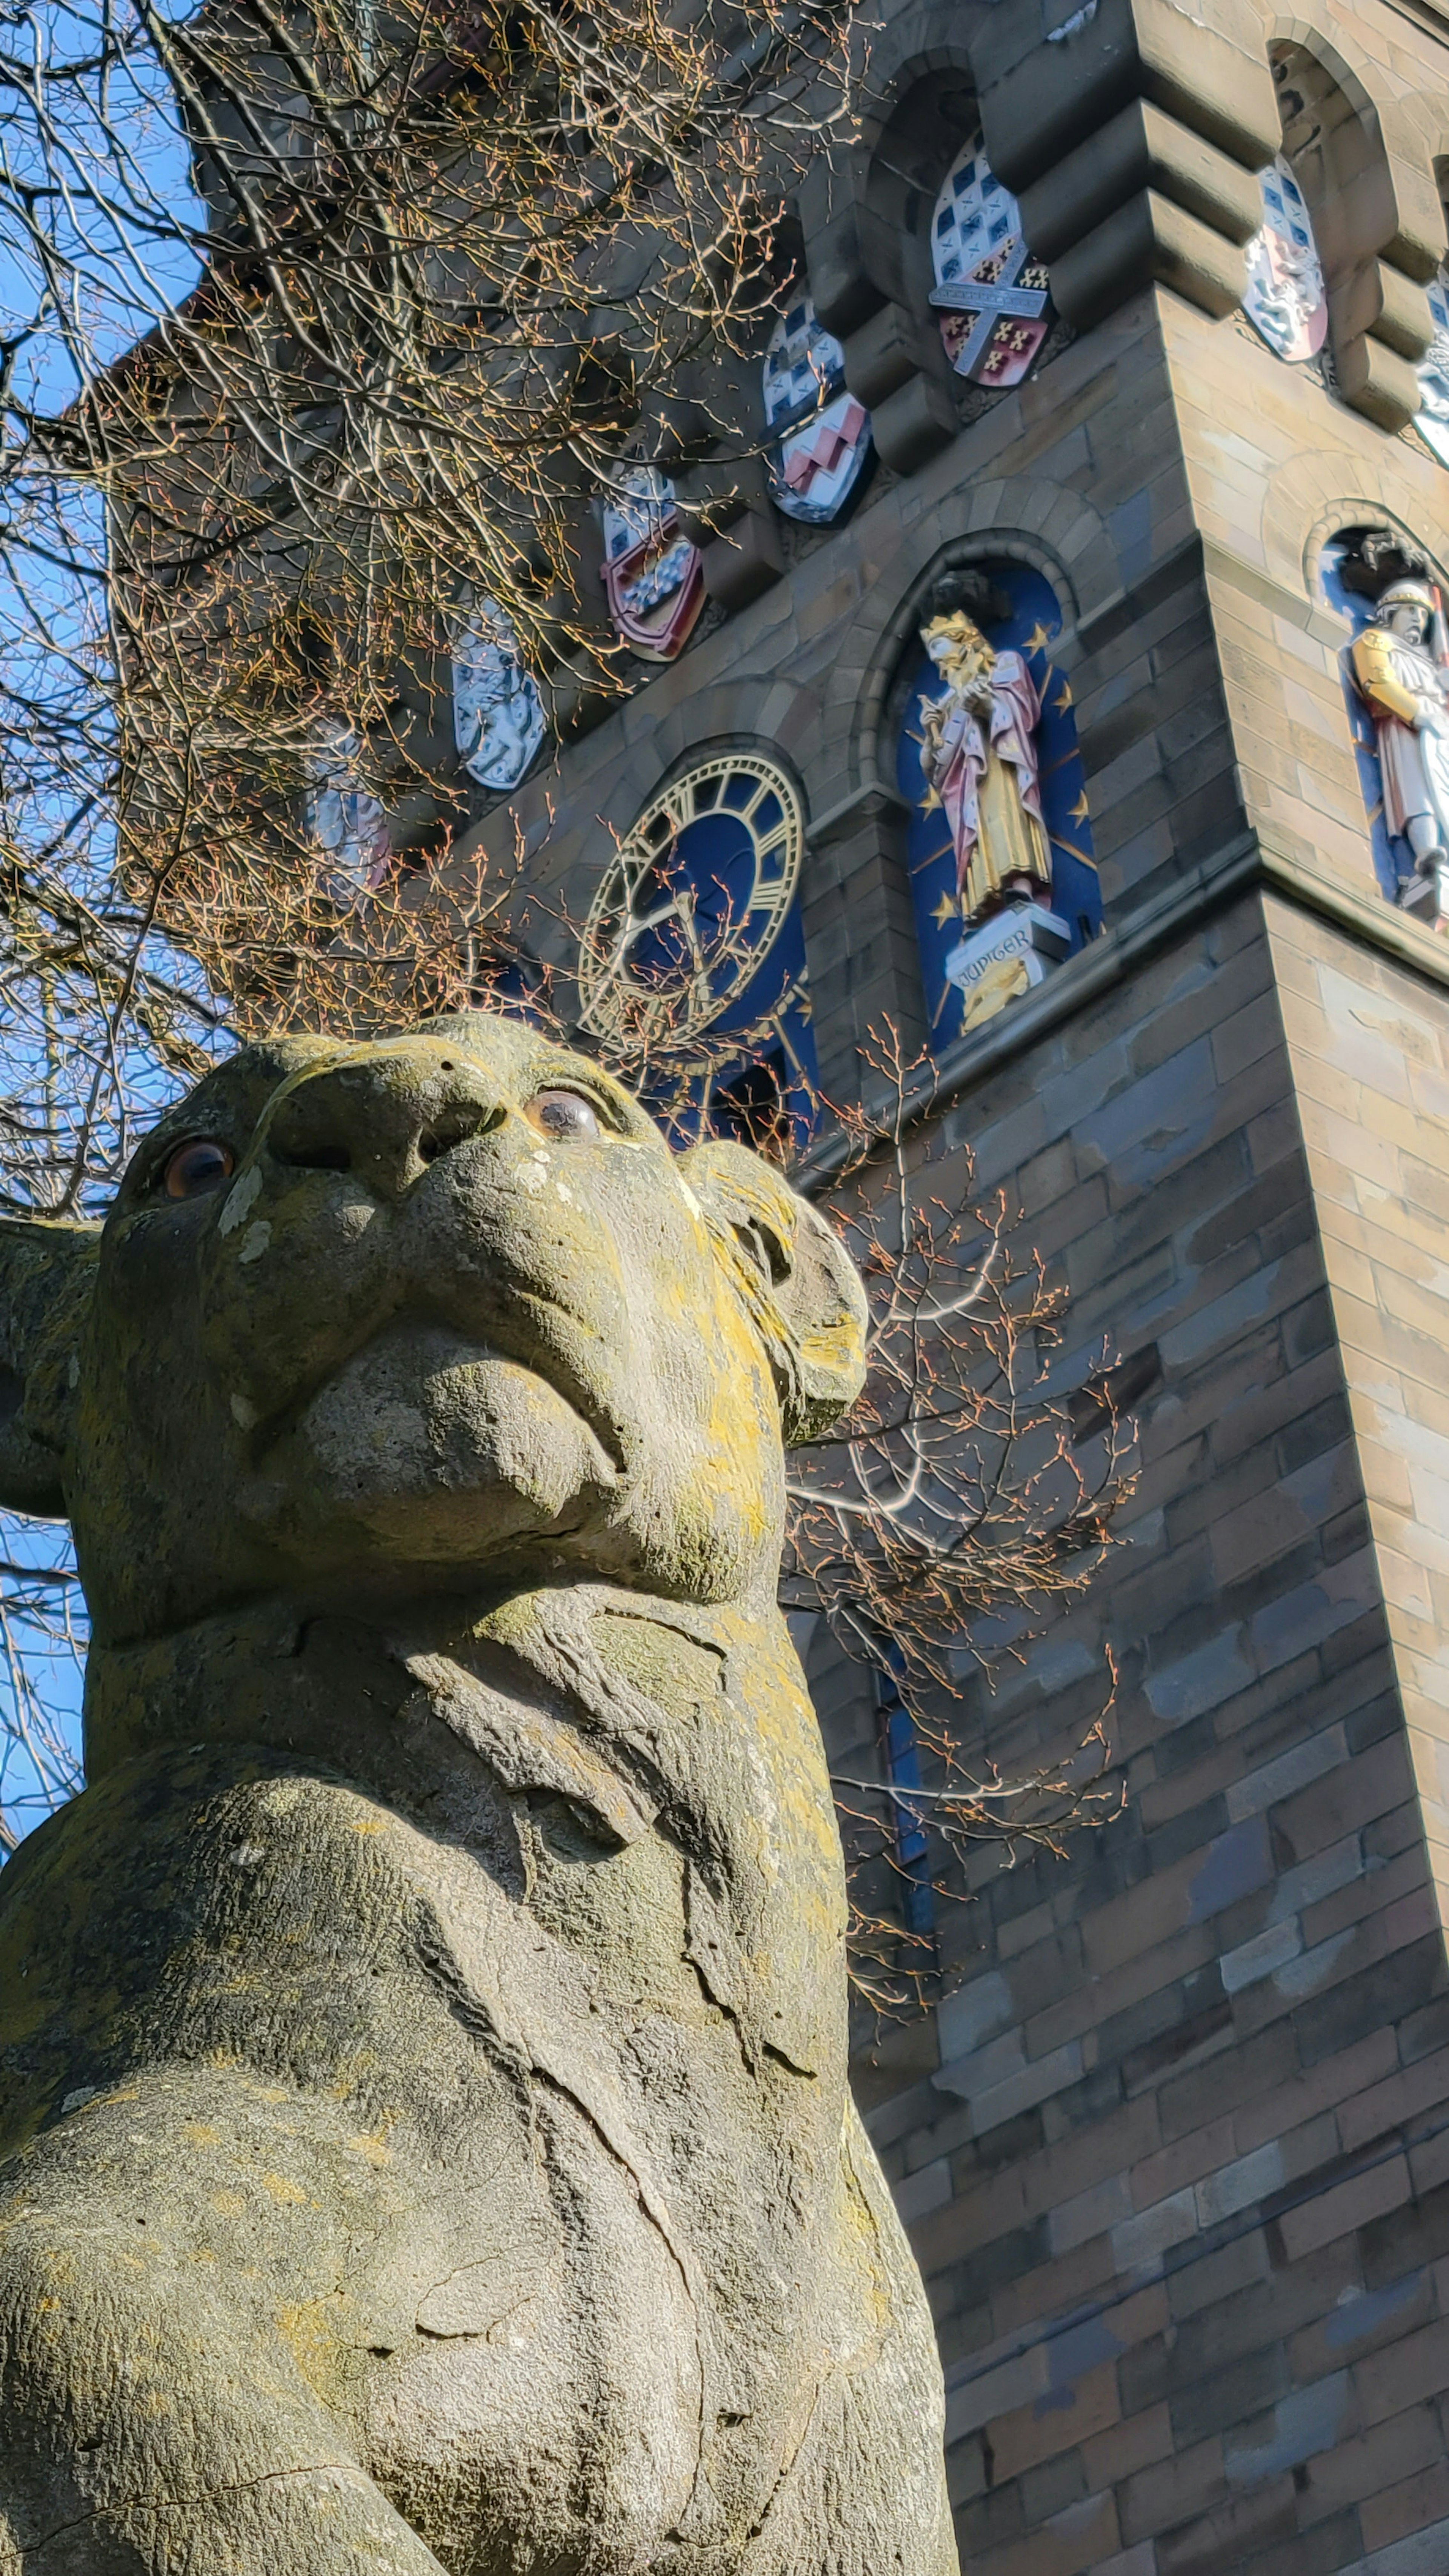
1315	290
1333	147
911	159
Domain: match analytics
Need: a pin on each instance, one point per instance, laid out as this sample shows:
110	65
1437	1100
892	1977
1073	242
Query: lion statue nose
386	1113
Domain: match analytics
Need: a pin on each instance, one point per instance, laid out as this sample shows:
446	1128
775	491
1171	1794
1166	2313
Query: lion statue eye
202	1163
565	1114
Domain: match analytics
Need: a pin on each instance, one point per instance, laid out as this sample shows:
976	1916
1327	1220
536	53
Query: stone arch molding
1416	133
1307	500
1357	513
920	45
1058	531
1412	133
1367	214
866	215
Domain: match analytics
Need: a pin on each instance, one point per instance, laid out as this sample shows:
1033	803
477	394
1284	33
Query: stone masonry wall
1369	1046
1175	2153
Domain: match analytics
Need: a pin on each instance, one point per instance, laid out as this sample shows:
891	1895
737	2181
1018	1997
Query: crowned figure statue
1401	669
979	758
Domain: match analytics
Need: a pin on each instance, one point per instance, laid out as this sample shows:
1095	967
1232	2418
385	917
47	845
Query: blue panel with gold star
1033	620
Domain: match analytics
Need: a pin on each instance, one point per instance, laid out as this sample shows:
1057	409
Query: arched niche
906	163
1378	319
866	215
1362	565
945	237
1019	613
1332	143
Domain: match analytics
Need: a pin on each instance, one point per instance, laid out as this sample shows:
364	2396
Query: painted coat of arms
1286	300
989	291
821	442
1432	417
498	720
345	820
652	573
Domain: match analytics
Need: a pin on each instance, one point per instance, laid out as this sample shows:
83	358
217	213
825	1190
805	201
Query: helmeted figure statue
425	2141
1402	674
978	753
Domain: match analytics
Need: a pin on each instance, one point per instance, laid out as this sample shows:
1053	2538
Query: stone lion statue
424	2133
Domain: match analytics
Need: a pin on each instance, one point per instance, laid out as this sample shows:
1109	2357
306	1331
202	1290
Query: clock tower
1036	647
1067	686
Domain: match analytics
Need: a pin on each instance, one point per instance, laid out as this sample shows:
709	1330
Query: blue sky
109	182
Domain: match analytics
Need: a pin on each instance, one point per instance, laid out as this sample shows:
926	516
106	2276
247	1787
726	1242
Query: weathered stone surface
423	2104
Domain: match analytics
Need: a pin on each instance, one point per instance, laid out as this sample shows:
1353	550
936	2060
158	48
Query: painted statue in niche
999	849
1400	667
978	752
1360	567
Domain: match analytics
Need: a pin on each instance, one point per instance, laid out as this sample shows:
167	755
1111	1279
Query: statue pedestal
1009	953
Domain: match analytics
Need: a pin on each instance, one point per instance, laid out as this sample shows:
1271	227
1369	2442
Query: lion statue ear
797	1279
47	1274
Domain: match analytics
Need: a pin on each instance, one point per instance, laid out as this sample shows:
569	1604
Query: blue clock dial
693	903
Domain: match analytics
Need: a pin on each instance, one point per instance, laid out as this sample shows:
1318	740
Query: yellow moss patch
282	2189
310	2335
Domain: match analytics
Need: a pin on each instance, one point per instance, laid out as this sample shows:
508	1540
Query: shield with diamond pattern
821	443
652	572
990	293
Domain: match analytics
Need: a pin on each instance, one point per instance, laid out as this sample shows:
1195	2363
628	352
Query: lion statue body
424	2131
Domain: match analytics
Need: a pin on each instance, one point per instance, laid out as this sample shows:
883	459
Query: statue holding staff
979	756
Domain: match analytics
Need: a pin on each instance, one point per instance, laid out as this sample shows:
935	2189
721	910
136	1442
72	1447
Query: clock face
693	903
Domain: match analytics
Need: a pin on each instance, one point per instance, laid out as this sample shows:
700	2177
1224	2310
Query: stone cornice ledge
1244	863
868	803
